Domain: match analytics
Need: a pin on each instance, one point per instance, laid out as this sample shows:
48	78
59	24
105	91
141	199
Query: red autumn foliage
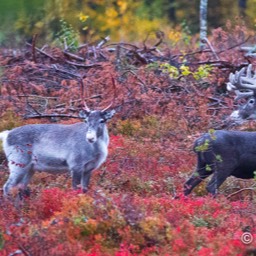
135	204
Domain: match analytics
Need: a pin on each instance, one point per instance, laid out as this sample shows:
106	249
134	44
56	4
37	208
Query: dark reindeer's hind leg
203	171
222	172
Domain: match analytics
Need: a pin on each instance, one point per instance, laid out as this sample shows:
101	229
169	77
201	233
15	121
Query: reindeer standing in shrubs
77	148
228	153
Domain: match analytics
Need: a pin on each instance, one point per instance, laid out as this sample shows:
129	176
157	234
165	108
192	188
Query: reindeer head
243	83
95	120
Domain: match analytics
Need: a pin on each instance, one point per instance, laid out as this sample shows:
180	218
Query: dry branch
42	52
240	191
83	65
50	116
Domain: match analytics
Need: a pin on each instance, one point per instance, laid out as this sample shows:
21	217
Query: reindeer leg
85	180
200	174
76	177
217	179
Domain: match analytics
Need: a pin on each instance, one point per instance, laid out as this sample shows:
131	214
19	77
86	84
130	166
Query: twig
21	247
36	96
45	46
83	46
50	115
33	47
65	71
219	63
205	40
114	86
104	40
236	45
82	91
62	105
123	44
135	75
35	110
145	40
208	50
73	56
140	57
42	52
83	65
160	36
239	191
65	44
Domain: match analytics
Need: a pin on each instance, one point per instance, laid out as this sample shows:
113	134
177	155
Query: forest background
123	20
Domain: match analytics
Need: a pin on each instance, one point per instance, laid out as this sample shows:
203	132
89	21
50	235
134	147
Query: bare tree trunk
242	7
203	22
172	11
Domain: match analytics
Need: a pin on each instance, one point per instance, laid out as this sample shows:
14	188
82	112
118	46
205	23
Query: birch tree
203	22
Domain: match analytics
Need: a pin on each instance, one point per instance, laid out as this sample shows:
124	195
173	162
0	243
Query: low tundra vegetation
135	203
134	206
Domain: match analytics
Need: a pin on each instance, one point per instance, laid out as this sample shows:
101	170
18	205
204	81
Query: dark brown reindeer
56	148
228	153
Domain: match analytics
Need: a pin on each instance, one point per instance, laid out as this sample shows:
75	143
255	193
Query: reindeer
223	154
243	83
78	149
228	153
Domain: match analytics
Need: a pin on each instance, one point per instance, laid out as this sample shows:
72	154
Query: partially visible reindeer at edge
243	83
78	148
228	153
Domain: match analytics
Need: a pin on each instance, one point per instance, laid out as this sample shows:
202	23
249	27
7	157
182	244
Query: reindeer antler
243	83
114	95
107	107
86	108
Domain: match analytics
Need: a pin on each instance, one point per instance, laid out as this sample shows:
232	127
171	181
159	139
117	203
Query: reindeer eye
102	120
251	101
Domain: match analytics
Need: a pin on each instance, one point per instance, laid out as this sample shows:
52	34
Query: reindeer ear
109	114
83	114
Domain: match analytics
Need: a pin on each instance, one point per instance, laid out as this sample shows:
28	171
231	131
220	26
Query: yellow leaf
83	17
122	5
185	70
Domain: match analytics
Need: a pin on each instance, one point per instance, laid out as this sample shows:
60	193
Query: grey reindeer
78	148
228	153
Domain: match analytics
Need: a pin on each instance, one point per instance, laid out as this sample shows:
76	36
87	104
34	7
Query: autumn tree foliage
122	19
165	97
